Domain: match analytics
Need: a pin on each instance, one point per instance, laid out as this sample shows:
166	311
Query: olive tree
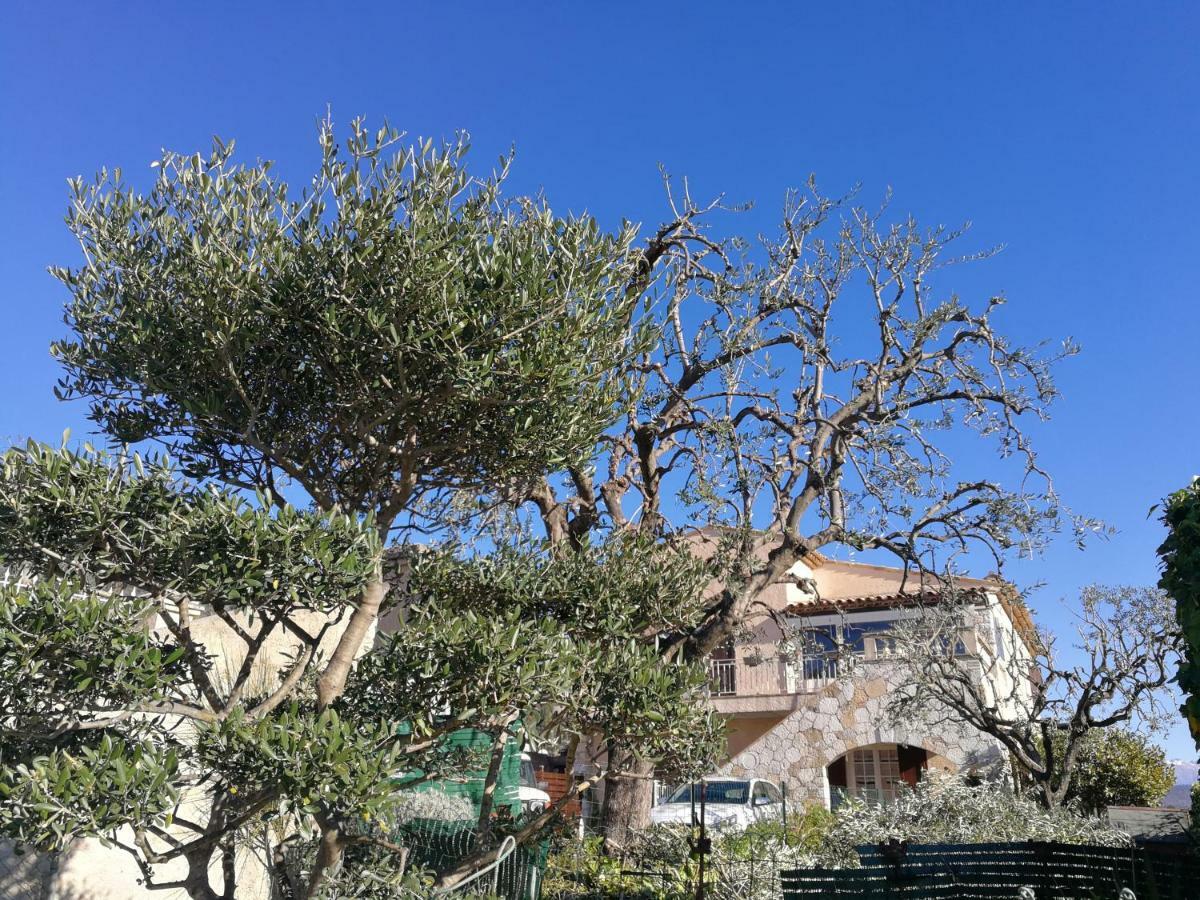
396	330
1047	708
161	648
397	335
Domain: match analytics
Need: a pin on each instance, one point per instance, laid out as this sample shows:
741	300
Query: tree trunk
488	801
332	681
627	800
329	854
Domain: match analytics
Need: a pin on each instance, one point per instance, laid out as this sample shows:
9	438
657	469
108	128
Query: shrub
1117	767
745	865
948	810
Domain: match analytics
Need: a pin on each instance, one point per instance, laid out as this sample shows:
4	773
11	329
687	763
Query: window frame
874	770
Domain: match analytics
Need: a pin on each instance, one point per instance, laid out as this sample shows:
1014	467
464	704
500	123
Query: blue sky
1066	132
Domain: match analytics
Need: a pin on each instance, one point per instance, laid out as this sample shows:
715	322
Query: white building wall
89	870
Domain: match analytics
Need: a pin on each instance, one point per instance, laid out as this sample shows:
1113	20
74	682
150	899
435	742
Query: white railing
815	671
773	677
723	676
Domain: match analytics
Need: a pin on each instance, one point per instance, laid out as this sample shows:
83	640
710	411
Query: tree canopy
1051	710
811	389
123	712
1180	555
397	328
1117	767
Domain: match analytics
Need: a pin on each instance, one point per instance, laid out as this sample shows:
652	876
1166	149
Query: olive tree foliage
396	330
945	809
124	718
1180	556
807	391
600	684
1046	707
114	711
394	335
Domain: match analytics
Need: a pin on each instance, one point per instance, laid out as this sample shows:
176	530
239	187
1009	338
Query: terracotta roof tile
873	601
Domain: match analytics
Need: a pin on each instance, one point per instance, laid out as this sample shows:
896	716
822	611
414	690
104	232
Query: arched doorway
874	772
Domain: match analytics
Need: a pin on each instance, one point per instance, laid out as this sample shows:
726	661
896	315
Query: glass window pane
714	792
854	634
889	770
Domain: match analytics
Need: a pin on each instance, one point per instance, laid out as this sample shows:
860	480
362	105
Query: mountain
1186	774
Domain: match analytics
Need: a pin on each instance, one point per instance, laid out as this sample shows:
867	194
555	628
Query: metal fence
1032	870
437	845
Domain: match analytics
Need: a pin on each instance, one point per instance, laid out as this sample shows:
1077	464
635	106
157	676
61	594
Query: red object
556	785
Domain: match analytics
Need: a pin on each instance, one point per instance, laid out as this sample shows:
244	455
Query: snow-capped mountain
1186	774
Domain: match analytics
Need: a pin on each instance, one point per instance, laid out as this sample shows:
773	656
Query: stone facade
844	715
789	719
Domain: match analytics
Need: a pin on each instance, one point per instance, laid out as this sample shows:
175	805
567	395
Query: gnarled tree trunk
628	796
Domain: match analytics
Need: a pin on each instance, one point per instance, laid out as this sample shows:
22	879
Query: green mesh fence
470	784
438	845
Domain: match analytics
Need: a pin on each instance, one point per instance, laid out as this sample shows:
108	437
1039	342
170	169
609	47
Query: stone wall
850	713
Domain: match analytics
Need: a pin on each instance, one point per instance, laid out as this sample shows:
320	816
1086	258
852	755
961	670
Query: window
823	644
714	792
883	646
760	794
858	635
773	793
999	639
960	647
875	773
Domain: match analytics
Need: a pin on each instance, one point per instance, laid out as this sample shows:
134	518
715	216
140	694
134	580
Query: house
813	718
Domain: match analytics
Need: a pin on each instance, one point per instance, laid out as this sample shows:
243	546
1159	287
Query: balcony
745	684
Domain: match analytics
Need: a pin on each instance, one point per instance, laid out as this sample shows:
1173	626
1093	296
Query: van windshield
528	779
714	792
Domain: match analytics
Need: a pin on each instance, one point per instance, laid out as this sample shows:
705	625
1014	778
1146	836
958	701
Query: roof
1147	823
874	601
845	586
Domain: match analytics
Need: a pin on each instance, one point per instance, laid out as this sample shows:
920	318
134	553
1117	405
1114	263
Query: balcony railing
723	674
775	677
